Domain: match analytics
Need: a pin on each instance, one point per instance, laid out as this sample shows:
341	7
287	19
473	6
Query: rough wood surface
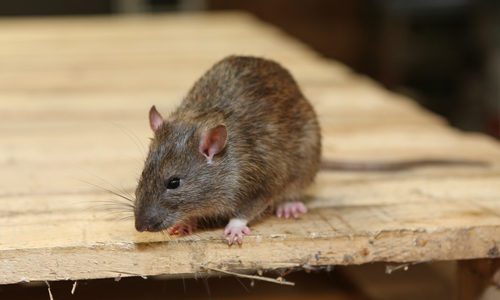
74	96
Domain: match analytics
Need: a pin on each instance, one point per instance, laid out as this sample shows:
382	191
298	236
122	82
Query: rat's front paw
182	229
235	230
291	209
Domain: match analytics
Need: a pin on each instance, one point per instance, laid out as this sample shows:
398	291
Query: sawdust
50	292
74	287
278	280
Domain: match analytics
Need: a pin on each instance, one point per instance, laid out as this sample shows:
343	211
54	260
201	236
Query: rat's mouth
149	226
152	224
155	220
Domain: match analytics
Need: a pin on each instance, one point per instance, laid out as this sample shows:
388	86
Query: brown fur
272	153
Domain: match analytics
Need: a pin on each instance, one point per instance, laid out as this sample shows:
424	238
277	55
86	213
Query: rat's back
273	132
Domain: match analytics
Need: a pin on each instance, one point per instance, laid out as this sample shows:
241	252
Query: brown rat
244	139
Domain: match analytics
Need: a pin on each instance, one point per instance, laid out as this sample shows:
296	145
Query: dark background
443	53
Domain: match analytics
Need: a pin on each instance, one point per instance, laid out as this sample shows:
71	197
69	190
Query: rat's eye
173	183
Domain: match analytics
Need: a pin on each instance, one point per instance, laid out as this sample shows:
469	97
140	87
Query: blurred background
444	54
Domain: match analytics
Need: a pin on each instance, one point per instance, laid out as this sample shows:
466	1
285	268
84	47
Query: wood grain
74	96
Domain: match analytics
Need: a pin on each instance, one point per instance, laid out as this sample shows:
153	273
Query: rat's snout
151	223
148	225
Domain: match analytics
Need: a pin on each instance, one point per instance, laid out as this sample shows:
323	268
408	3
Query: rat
243	140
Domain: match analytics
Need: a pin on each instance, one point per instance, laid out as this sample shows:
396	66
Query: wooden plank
74	93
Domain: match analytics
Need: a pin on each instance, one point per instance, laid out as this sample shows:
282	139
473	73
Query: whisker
120	195
122	190
113	210
135	139
117	218
112	202
122	205
109	191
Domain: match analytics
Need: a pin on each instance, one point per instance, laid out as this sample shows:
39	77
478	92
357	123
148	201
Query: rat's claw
235	230
291	209
182	229
279	211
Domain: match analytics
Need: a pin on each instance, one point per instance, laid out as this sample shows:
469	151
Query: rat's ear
155	119
213	141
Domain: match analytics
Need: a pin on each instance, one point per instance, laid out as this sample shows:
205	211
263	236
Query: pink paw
235	230
291	209
182	229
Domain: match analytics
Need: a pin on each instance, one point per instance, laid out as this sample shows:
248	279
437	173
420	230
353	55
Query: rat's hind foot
181	229
235	230
291	209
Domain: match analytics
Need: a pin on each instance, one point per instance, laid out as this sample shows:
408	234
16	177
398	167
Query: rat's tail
373	166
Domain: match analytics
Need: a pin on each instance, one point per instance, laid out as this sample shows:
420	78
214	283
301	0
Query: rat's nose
151	224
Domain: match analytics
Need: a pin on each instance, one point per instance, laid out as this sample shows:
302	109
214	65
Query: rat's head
179	174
